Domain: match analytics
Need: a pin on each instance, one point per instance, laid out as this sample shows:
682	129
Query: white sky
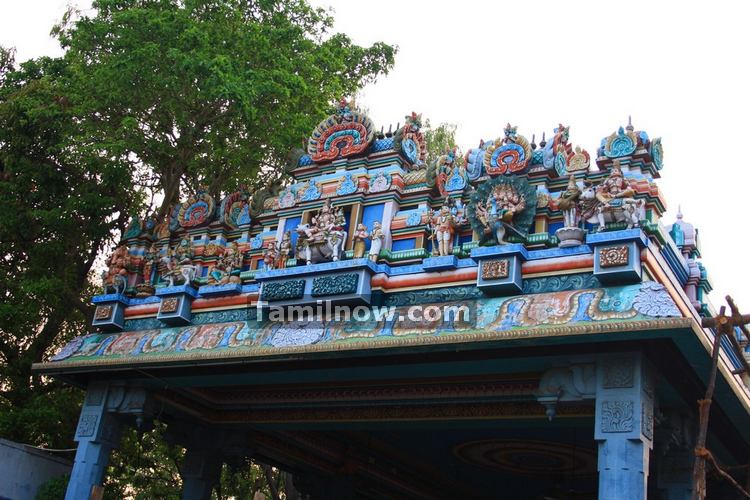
678	68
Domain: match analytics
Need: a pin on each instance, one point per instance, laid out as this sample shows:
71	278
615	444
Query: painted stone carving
346	133
620	143
510	154
410	141
346	185
619	373
657	153
446	173
177	265
443	229
197	210
617	416
334	285
323	239
227	269
296	334
614	256
611	201
270	256
310	192
381	182
495	269
377	238
103	312
284	290
360	237
568	203
500	205
169	305
287	197
654	300
285	250
235	209
579	161
149	272
570	234
491	316
115	278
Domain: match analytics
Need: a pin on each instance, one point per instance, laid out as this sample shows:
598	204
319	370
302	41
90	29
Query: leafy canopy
210	92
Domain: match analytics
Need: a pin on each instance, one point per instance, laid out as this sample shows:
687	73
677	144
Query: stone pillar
97	433
624	425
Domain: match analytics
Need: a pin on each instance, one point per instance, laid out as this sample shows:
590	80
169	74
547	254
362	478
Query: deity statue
270	256
228	267
502	204
322	240
444	228
615	188
177	265
611	201
360	236
115	278
150	262
568	203
378	237
285	250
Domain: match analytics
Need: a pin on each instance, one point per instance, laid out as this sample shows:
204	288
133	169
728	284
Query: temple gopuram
514	322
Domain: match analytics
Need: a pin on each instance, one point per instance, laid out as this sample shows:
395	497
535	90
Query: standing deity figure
444	228
270	256
116	276
568	203
150	262
285	250
360	235
377	236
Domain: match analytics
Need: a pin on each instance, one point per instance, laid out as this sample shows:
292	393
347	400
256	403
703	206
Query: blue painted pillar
97	433
200	473
624	425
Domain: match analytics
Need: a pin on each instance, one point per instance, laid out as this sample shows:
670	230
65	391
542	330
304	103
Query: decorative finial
533	144
679	212
543	142
629	128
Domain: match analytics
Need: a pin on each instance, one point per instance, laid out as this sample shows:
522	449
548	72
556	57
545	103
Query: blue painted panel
554	226
405	244
370	215
290	225
464	238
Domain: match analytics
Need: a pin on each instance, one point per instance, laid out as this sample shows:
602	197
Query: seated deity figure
615	188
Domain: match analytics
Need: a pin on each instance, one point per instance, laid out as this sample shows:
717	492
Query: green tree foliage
152	97
61	198
439	139
210	92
